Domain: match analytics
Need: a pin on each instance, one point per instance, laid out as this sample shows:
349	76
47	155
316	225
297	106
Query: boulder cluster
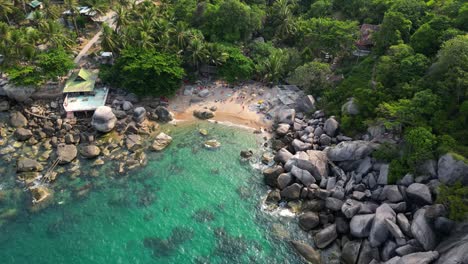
346	199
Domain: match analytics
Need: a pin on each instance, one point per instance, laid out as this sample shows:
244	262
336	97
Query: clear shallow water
188	205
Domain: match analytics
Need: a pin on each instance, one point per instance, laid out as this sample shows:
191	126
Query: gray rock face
360	225
126	106
18	93
28	165
17	119
309	220
163	114
333	204
103	119
4	106
419	258
271	174
306	104
383	174
133	142
292	192
300	146
303	176
396	232
283	155
350	150
90	151
331	126
204	93
286	116
350	208
407	180
22	134
139	114
419	193
350	252
391	193
66	153
350	107
319	161
454	249
404	224
422	231
367	253
307	252
379	231
326	236
451	170
203	114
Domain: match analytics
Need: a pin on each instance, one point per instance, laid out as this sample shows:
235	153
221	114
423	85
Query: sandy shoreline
236	106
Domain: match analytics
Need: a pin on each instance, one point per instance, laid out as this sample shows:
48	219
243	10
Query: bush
55	63
420	143
397	170
237	66
456	199
146	72
24	76
387	152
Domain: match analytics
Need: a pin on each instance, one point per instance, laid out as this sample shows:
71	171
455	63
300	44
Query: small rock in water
212	144
203	132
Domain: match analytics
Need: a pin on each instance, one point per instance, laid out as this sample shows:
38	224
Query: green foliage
146	72
398	168
231	21
54	63
311	77
419	145
455	198
24	76
395	29
237	66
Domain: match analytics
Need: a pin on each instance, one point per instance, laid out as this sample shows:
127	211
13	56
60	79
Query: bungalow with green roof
35	4
81	93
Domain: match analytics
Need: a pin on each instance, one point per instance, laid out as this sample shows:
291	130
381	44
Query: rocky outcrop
161	142
306	104
163	114
103	119
212	144
350	150
454	249
350	107
286	116
22	134
139	115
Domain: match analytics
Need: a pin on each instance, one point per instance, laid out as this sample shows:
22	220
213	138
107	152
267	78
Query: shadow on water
203	215
165	247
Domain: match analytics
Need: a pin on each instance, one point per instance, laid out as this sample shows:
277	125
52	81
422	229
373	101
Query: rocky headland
343	199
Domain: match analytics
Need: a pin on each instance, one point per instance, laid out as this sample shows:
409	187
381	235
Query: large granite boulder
161	142
361	225
292	192
452	169
90	151
306	104
103	119
133	142
350	107
271	174
422	231
454	249
419	193
307	252
66	153
17	119
309	220
28	165
350	150
331	126
350	251
302	176
315	162
18	93
379	232
283	155
139	114
325	236
286	116
163	114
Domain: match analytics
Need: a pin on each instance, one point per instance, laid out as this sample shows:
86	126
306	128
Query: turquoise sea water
188	205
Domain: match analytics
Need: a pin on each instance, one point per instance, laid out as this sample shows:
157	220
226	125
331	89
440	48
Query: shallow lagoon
188	205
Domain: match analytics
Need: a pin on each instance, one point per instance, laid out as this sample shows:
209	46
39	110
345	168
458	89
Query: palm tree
72	5
53	34
121	18
197	52
6	8
108	42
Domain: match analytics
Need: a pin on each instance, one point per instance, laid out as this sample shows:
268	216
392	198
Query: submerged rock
22	134
90	151
212	144
161	142
28	165
307	252
66	153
